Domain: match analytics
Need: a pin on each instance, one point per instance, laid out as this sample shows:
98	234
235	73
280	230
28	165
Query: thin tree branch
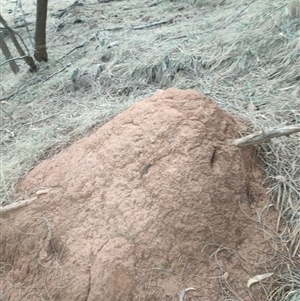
63	11
260	137
57	72
153	25
13	206
13	59
14	93
13	66
7	114
218	26
26	24
236	16
74	48
28	59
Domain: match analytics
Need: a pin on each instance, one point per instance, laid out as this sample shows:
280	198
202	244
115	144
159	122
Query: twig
8	28
37	121
4	209
7	114
12	64
76	47
62	69
14	59
113	29
28	59
260	137
219	26
13	94
143	6
26	24
107	1
63	11
236	16
22	25
24	44
155	3
153	25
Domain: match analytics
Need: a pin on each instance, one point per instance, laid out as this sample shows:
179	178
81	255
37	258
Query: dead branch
7	114
222	25
13	94
57	72
155	3
74	48
28	59
113	29
40	120
262	136
25	23
236	16
13	59
22	25
9	59
63	11
107	1
13	206
153	25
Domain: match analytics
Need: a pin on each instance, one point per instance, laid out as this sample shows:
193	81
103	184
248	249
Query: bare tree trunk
28	59
40	31
13	66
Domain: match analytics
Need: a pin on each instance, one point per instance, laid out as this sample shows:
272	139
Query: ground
156	201
243	55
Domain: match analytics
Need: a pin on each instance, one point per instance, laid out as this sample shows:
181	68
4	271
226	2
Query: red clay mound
156	201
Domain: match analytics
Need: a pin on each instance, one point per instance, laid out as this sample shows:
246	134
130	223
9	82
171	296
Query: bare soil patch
156	201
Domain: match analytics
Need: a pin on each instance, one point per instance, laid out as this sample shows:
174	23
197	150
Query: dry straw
246	57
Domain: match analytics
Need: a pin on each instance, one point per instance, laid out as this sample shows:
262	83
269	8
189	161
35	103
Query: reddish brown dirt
156	201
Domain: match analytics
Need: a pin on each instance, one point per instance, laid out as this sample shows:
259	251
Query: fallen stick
61	70
152	25
63	11
113	29
13	94
13	59
16	205
236	16
74	48
107	1
155	3
262	136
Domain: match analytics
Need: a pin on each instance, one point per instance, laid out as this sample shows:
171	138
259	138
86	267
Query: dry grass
246	56
287	287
